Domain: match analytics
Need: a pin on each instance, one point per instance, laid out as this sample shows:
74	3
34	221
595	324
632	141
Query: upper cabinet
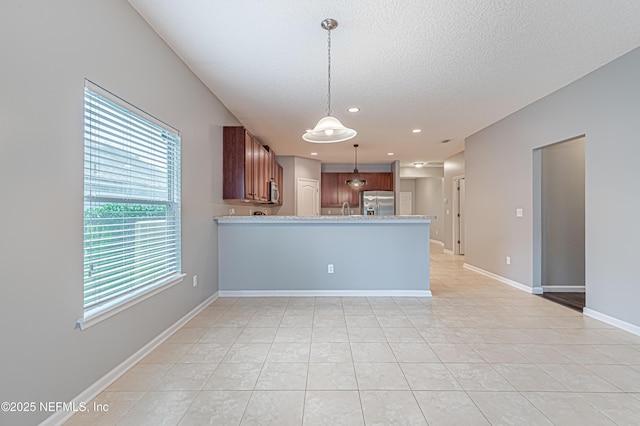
247	166
335	191
329	189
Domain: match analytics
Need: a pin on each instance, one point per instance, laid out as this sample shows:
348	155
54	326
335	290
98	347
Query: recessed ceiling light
416	130
353	109
389	153
314	153
418	165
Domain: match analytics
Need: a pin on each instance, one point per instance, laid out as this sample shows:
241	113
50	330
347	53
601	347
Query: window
131	205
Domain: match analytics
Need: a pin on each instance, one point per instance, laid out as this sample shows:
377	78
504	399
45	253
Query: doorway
458	214
559	222
308	197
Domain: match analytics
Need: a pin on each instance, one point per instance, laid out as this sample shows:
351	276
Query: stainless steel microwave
274	192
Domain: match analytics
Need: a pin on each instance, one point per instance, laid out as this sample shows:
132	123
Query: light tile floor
478	352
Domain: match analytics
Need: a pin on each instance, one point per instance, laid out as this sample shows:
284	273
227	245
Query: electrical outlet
330	268
436	232
195	280
232	212
508	260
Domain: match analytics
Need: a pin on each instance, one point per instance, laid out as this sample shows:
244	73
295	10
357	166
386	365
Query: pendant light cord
356	166
329	73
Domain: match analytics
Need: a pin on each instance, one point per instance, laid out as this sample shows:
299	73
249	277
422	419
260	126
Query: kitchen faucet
348	208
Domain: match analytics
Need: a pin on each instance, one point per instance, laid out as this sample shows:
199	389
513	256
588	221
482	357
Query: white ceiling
449	67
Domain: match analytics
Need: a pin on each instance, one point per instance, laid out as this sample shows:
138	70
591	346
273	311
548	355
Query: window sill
101	313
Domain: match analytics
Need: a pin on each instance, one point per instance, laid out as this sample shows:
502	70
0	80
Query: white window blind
131	202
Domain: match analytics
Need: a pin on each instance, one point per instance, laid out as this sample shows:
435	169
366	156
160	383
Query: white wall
605	106
48	49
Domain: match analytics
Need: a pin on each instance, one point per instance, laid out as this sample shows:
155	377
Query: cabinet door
271	166
260	180
234	160
385	181
379	181
345	192
266	174
280	180
257	170
372	181
329	190
248	166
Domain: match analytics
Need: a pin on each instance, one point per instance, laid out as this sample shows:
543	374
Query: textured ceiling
449	67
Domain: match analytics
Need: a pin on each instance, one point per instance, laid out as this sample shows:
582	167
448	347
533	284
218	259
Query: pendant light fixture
356	182
329	129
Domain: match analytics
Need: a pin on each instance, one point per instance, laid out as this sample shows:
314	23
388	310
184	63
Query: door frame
456	228
537	285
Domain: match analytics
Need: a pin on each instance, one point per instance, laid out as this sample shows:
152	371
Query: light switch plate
519	212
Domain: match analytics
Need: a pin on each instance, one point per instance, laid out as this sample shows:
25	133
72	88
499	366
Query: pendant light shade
329	129
356	182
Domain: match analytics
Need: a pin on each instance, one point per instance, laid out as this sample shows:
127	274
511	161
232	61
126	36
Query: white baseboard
321	293
563	289
59	417
447	251
631	328
436	242
519	286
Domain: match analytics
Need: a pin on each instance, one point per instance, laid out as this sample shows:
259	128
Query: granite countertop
324	219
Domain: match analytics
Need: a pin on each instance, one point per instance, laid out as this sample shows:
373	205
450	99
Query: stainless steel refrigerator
377	203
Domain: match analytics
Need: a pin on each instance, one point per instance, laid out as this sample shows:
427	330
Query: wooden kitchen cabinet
347	193
279	180
378	181
261	173
335	191
329	189
247	166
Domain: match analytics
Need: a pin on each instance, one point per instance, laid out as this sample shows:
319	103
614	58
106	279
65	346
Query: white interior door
405	204
308	197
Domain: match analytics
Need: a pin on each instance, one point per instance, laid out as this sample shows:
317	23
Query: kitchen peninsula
323	255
